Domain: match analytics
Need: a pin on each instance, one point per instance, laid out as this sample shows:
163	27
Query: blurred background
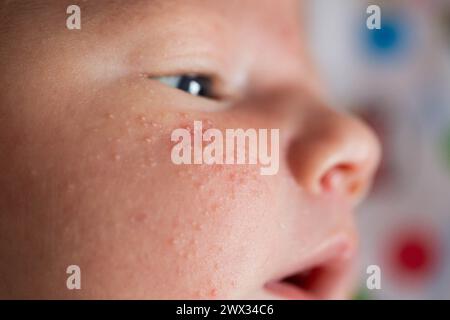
398	80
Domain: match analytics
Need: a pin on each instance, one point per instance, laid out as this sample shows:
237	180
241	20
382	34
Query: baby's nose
334	153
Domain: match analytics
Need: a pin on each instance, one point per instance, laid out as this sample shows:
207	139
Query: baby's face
86	174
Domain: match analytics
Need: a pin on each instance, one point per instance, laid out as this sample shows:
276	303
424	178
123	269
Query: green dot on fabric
362	294
447	147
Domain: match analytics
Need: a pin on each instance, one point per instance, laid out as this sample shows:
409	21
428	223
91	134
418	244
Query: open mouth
324	279
306	280
302	285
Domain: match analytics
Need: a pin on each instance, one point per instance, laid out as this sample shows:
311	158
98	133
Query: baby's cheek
140	226
198	235
189	242
213	226
154	229
213	235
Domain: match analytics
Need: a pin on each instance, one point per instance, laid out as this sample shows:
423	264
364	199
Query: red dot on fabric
414	256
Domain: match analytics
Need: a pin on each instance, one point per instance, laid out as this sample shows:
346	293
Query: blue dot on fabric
386	38
388	41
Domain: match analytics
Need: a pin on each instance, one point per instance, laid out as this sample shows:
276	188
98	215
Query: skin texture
85	170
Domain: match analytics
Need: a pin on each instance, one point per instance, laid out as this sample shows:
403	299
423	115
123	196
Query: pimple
95	157
282	226
34	173
155	125
232	176
139	218
194	224
213	293
215	207
198	184
144	122
171	241
183	115
70	187
197	226
179	271
181	173
187	127
148	140
232	196
192	249
206	213
177	242
207	124
197	294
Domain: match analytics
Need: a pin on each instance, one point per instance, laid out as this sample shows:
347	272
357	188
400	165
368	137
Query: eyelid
171	81
219	91
220	102
175	80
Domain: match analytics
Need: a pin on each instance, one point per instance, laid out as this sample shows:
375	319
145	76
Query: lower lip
288	291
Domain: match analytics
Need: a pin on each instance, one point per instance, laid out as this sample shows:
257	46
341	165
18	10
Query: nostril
355	188
337	154
343	179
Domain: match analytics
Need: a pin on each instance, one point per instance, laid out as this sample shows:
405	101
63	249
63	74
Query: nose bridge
278	59
333	152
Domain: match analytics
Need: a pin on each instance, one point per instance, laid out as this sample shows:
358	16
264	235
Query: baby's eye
195	85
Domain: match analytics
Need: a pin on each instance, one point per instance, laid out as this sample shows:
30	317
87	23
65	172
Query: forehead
219	26
262	9
250	19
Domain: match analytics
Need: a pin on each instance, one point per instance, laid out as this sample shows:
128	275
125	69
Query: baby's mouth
325	279
303	285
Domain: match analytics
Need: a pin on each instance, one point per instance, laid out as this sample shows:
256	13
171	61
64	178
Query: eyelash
196	85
